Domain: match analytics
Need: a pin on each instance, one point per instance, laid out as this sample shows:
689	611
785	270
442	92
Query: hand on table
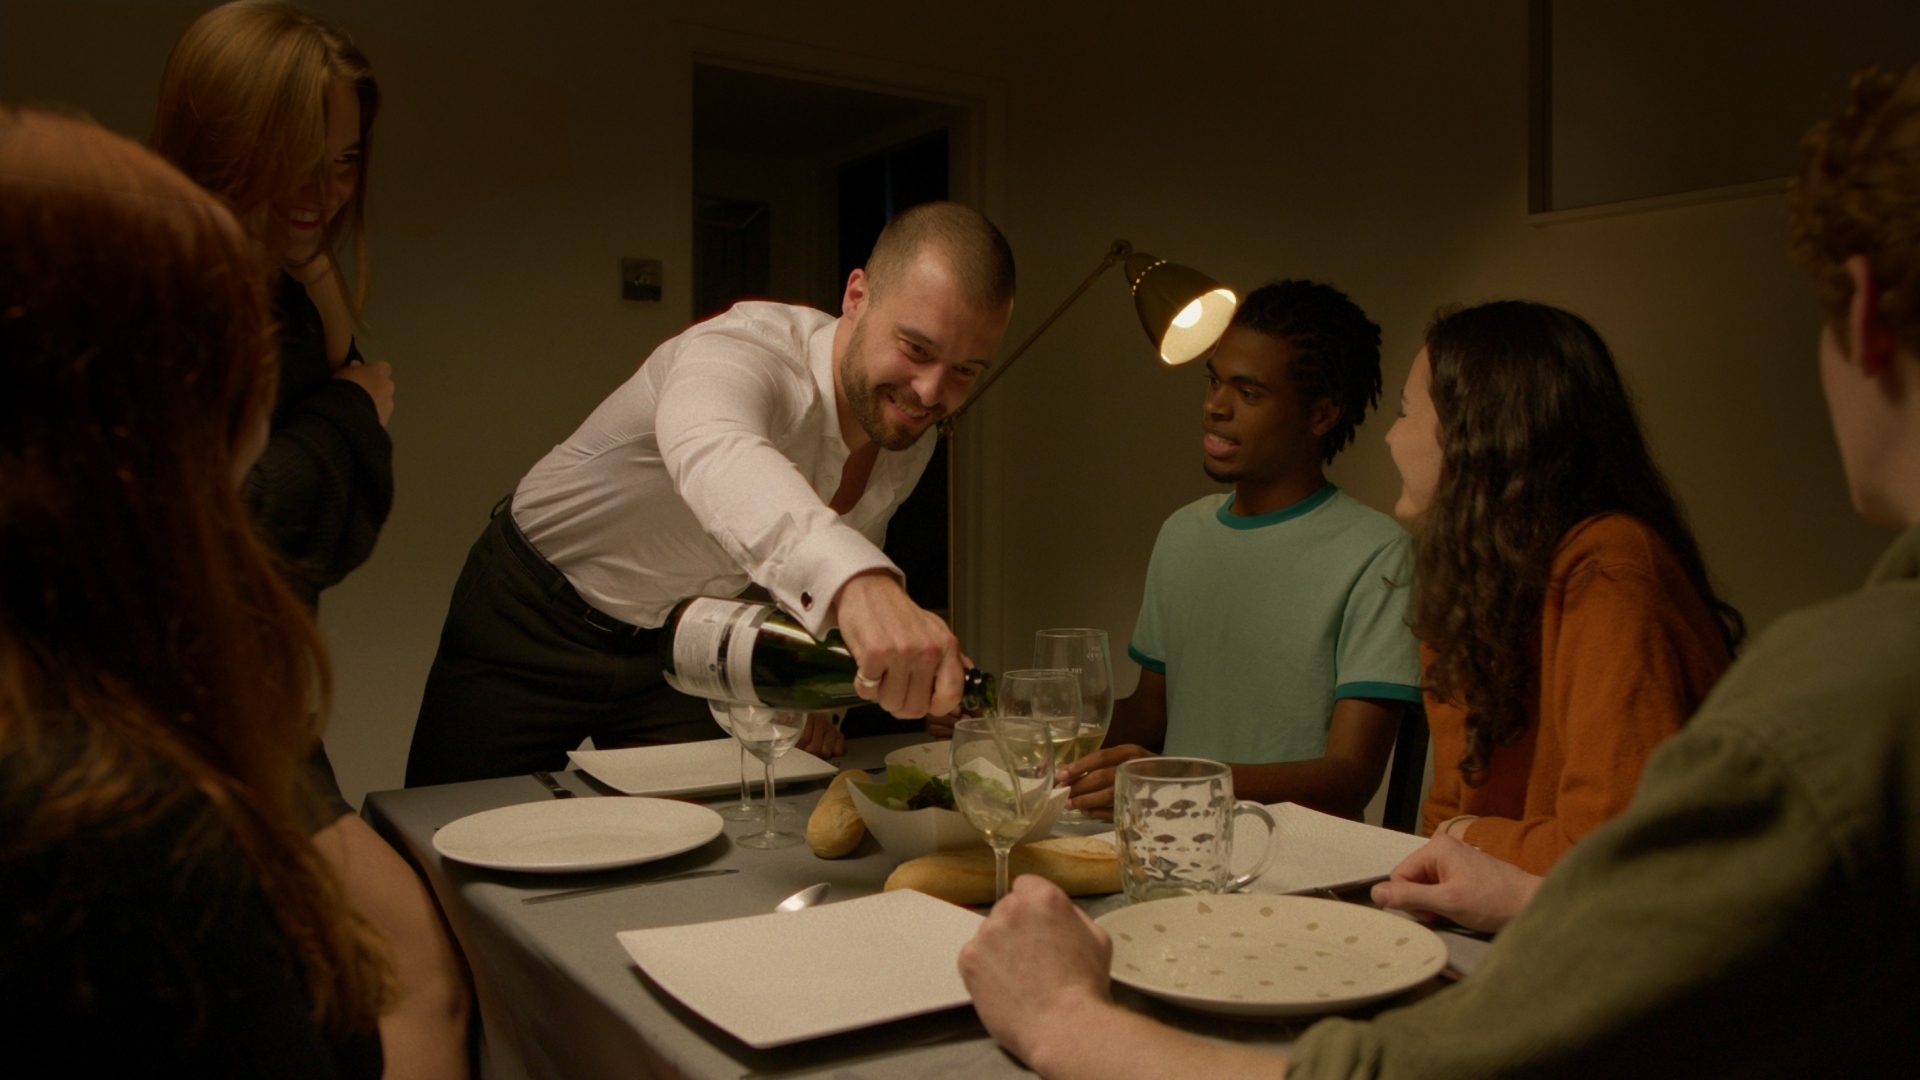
1449	879
821	737
376	379
910	662
1034	965
1092	779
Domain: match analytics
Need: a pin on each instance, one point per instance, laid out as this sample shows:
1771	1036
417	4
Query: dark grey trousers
526	669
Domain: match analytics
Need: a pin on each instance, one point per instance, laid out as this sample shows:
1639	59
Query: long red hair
143	630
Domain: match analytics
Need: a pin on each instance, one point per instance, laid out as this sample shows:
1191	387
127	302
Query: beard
864	398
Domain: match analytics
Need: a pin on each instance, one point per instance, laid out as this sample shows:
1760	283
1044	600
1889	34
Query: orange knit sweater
1628	650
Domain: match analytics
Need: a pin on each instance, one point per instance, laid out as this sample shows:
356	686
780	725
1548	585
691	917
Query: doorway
793	181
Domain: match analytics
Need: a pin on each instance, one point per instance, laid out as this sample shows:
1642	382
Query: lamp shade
1184	311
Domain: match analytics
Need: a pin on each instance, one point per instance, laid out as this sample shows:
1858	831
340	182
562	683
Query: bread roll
1080	865
835	827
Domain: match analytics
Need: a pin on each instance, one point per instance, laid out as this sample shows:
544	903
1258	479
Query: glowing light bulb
1189	315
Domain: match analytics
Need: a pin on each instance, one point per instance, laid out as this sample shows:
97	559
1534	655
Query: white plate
691	769
1313	850
935	757
770	980
566	836
1248	955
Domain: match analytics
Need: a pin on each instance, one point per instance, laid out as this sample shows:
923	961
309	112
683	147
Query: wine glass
1002	776
1050	695
767	734
744	810
1085	653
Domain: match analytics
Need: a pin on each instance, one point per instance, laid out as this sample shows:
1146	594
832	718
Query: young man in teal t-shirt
1273	631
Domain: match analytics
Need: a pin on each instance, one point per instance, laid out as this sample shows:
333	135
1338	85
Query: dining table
558	997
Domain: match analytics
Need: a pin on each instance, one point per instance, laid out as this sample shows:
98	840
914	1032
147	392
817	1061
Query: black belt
558	588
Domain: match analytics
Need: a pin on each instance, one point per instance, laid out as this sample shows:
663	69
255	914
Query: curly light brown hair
1855	196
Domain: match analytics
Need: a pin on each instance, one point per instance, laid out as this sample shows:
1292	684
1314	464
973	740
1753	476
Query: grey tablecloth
559	997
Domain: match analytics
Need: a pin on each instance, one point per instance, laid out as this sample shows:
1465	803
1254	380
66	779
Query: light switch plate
640	279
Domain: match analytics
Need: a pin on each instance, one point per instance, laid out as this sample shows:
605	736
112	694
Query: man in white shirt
765	447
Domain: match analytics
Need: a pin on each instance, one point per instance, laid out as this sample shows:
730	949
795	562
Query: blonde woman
272	109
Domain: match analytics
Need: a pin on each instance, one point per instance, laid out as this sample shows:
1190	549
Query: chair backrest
1408	772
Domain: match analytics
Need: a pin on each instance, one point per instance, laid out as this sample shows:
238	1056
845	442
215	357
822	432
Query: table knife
560	791
591	889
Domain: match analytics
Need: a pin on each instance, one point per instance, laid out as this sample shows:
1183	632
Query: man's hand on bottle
910	662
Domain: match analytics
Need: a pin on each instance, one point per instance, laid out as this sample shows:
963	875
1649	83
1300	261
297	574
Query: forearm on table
1140	719
1332	785
1533	844
1105	1042
1360	737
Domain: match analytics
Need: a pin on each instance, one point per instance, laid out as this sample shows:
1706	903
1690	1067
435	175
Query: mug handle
1253	809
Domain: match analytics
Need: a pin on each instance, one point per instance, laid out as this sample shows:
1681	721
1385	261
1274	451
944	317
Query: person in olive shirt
1756	910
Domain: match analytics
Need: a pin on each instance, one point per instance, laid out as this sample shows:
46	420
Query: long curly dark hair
1537	433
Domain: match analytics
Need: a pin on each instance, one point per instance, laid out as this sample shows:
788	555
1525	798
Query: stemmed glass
1002	776
744	810
767	734
1050	695
1085	653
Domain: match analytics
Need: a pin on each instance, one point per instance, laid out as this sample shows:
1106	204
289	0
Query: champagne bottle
757	654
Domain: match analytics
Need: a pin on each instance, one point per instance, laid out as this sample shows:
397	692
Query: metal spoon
805	898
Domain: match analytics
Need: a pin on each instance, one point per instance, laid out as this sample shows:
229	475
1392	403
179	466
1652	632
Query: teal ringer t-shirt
1261	623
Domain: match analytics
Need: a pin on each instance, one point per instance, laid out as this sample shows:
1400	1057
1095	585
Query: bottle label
713	649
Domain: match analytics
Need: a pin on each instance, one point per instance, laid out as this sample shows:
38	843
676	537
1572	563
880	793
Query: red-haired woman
164	911
272	109
1565	617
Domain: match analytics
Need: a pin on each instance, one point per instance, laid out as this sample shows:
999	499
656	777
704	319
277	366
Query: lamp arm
1116	254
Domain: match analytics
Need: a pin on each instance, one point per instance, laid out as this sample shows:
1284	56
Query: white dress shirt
710	469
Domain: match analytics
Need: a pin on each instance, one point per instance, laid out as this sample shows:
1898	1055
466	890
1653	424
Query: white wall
1380	147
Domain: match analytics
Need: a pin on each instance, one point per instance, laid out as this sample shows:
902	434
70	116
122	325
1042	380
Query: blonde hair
243	112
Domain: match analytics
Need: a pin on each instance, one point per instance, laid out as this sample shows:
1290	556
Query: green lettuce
909	787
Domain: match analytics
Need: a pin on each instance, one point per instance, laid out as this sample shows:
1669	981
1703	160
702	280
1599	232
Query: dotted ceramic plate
1253	955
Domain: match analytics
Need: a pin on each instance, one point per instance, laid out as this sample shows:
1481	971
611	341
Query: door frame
977	152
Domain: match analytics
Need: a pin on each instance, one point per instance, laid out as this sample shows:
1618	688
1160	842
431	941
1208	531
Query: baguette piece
835	827
1080	865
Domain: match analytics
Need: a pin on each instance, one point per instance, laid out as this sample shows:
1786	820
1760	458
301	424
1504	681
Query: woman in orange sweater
1567	625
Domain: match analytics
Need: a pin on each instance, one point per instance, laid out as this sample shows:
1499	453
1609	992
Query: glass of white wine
1085	654
767	734
1002	777
1050	695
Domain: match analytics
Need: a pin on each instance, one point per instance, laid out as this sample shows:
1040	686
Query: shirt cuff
819	565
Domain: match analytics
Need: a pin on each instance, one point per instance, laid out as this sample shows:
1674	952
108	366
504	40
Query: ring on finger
861	680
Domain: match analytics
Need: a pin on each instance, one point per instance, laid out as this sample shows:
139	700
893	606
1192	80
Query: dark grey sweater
1756	910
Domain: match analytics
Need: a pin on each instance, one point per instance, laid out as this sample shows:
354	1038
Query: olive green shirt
1754	912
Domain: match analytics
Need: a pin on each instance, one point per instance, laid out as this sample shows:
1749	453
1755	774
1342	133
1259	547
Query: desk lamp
1184	313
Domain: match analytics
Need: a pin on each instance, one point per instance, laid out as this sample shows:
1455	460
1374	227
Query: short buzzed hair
1855	196
978	254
